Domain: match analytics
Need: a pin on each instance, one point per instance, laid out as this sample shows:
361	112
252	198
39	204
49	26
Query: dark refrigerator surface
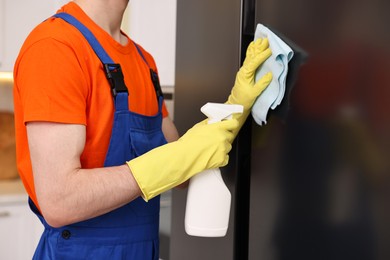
320	177
207	51
318	182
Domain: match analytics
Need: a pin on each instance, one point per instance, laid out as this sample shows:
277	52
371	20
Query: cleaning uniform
118	129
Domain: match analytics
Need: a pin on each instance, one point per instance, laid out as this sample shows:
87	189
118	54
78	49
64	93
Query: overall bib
129	232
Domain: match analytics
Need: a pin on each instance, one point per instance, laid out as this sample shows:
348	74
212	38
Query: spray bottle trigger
217	112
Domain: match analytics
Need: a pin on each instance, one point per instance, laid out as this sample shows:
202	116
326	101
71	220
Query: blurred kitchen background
313	183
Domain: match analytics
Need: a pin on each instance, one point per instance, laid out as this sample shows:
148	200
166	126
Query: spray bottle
208	198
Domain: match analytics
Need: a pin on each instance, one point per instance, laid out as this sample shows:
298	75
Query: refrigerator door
207	59
319	176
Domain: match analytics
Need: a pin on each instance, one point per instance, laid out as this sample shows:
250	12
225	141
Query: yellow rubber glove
204	146
245	90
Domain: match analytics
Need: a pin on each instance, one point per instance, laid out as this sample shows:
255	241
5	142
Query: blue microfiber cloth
278	64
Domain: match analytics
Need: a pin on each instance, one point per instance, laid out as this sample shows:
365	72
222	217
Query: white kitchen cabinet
20	229
17	19
152	23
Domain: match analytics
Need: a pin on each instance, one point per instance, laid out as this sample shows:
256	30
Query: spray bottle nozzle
217	112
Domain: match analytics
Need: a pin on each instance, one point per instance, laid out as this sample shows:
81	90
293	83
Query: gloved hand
204	146
245	91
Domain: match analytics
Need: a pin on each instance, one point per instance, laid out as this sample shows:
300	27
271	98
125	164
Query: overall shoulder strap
98	49
153	74
113	70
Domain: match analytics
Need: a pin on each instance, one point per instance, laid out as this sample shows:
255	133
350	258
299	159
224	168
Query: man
92	152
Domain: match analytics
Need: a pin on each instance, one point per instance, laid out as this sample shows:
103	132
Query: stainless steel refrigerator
313	183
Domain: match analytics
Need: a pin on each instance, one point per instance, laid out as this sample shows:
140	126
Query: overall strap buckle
115	78
156	83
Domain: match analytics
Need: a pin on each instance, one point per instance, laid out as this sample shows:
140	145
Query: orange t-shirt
59	78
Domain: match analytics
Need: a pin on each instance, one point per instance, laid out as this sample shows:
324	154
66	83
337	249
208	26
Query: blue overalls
129	232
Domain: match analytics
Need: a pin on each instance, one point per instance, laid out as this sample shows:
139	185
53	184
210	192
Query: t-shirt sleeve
51	83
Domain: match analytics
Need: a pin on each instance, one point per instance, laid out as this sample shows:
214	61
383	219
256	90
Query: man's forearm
86	193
